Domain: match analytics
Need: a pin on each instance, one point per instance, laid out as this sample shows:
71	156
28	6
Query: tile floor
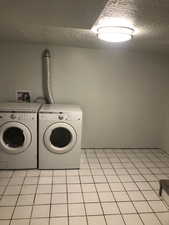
113	187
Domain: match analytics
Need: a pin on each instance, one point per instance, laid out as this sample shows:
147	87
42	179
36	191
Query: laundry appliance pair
44	137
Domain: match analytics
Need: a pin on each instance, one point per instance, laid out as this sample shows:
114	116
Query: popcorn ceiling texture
69	23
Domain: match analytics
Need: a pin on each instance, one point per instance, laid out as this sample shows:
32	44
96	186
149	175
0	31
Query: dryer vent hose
47	77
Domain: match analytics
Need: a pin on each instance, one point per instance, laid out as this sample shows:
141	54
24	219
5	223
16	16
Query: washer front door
60	138
15	137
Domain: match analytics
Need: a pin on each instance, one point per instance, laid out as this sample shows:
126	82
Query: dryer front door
60	138
15	137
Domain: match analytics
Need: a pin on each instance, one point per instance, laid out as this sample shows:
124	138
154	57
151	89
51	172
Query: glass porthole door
14	137
60	138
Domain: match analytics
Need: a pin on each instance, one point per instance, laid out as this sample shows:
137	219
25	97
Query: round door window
14	137
60	138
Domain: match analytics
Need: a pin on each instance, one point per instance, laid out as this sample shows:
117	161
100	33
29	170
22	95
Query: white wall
122	93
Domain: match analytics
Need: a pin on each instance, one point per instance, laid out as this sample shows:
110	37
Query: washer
60	129
18	135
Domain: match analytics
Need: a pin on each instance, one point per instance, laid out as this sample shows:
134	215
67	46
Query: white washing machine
60	129
18	135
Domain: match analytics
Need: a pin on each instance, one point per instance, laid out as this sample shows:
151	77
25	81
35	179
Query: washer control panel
8	116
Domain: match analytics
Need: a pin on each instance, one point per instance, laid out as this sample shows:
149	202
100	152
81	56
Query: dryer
18	135
60	129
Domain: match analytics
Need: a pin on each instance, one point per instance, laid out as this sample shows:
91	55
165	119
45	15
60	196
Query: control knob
13	116
60	117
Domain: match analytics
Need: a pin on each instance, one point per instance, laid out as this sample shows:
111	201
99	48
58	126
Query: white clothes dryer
18	135
60	129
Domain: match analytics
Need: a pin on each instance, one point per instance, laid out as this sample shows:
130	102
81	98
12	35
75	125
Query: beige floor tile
41	221
31	180
22	212
6	212
150	195
88	188
20	222
73	180
77	220
106	196
2	189
97	172
59	173
76	210
33	173
4	181
28	189
16	181
142	207
25	200
8	200
59	198
158	206
99	179
44	189
72	172
59	221
86	179
58	210
113	179
144	186
125	178
59	180
149	218
13	190
90	197
136	196
19	173
96	220
6	174
75	197
93	209
40	211
116	187
163	217
4	222
138	178
59	188
45	180
121	196
133	219
110	208
46	173
114	220
42	199
72	188
130	186
102	187
126	207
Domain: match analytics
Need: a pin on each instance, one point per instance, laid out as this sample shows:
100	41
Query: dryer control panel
61	116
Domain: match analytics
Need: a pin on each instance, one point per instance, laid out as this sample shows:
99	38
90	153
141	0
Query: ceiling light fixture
114	29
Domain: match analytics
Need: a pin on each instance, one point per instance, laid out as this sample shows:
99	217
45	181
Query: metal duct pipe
47	76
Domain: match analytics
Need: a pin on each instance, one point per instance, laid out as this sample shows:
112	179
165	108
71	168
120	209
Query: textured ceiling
69	22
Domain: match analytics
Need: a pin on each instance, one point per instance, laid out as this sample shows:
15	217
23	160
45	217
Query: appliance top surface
18	107
52	108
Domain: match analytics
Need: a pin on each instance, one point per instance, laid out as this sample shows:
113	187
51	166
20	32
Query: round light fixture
114	29
115	33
